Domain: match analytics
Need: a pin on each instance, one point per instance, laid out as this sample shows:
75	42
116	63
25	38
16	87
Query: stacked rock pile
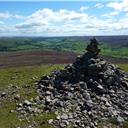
84	93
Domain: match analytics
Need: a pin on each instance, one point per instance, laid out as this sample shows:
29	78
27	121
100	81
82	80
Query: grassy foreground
124	67
21	81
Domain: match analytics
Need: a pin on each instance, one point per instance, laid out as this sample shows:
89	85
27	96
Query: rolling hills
116	46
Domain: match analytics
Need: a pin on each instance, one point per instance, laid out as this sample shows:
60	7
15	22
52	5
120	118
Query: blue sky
62	18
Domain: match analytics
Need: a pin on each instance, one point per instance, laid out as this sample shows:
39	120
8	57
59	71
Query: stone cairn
83	93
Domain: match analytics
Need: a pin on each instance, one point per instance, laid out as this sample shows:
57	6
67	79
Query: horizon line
60	0
62	36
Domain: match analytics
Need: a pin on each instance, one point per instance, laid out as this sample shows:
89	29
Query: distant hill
111	45
119	41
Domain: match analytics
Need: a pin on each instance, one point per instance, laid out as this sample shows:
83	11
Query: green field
120	52
22	81
59	44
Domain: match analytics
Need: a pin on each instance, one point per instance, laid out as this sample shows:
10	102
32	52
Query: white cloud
115	5
7	29
126	15
47	22
83	8
1	22
65	22
99	5
20	17
120	6
61	16
5	15
109	15
47	17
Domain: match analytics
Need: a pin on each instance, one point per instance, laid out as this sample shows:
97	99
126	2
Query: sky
63	17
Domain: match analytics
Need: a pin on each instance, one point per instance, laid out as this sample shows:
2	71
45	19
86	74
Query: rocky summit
83	93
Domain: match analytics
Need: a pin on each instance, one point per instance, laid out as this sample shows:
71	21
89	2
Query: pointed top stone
93	47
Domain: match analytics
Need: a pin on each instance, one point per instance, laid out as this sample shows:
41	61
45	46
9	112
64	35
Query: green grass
125	124
24	75
20	77
124	67
121	52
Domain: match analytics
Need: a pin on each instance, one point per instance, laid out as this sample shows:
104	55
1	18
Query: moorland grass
22	77
124	67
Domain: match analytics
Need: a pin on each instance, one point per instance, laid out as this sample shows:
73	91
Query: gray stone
50	121
19	105
120	119
62	125
48	99
17	97
3	94
27	103
58	117
48	93
64	116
